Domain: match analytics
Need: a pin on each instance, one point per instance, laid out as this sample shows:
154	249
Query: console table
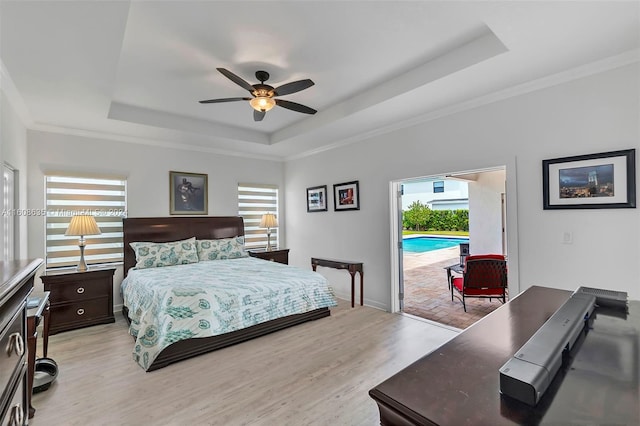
352	267
459	383
34	315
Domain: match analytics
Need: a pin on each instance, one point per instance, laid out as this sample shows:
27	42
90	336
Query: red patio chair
485	276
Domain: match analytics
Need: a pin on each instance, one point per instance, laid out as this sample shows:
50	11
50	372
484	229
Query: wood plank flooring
317	373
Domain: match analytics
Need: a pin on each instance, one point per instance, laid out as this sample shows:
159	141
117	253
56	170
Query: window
102	197
254	200
438	186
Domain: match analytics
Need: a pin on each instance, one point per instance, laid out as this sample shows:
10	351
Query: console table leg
31	362
45	331
353	288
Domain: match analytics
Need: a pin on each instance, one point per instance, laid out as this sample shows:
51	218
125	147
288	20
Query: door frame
513	273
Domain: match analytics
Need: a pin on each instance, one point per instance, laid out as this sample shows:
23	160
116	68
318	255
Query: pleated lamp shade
82	225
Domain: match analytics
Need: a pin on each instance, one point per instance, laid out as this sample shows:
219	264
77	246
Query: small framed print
596	181
187	193
346	196
317	199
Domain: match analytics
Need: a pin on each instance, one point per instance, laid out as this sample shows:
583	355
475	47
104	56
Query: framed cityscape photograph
317	199
346	196
187	193
594	181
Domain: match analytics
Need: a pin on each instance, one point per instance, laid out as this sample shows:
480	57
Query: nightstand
79	299
280	256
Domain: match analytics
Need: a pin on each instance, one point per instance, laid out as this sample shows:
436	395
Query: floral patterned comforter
214	297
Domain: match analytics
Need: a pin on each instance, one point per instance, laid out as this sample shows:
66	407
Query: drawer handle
80	311
16	417
16	344
80	290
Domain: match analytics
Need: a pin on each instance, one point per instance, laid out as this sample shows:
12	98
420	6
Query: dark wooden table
34	315
458	383
352	267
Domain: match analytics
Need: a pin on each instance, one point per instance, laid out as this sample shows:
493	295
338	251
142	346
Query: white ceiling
135	70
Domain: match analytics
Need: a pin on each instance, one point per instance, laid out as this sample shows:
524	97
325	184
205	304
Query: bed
311	302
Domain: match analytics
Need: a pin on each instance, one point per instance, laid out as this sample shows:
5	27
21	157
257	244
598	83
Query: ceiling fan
263	94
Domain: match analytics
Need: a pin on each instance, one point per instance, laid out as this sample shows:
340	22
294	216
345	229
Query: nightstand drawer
68	316
78	290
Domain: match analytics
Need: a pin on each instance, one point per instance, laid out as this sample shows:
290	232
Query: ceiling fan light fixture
262	103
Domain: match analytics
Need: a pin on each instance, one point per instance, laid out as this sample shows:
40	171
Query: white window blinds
254	200
103	198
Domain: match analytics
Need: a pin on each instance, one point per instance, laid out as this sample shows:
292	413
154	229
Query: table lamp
82	225
268	221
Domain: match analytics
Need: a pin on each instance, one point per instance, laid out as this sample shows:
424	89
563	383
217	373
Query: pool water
424	244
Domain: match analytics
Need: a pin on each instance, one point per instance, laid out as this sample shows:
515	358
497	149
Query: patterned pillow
155	255
223	248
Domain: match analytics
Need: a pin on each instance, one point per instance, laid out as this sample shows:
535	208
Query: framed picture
594	181
188	193
317	199
346	196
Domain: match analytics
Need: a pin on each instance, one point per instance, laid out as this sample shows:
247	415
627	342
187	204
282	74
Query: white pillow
155	255
222	248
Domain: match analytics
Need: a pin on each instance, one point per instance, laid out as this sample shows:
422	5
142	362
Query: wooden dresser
15	287
79	299
459	383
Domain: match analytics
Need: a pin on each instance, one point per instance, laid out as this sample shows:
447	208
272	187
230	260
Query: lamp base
268	239
82	266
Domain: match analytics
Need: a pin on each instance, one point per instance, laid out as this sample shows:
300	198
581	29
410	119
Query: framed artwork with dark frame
595	181
346	196
317	199
188	193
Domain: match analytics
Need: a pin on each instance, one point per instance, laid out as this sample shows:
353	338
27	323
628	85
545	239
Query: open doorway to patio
429	239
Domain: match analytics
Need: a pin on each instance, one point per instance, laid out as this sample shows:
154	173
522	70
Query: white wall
13	151
485	212
597	113
423	192
147	170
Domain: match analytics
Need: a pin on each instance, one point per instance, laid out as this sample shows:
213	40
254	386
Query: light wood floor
317	373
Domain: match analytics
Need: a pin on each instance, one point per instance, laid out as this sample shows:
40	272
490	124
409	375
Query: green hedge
419	217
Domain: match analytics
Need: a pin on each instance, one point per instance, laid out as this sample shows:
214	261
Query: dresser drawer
68	316
15	411
13	348
78	290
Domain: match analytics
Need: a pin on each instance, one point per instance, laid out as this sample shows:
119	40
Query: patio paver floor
427	295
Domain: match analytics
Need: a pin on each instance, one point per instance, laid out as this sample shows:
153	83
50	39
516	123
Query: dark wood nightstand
278	255
79	299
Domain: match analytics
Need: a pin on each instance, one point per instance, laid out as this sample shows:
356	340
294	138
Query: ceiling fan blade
293	87
217	101
295	106
237	80
258	115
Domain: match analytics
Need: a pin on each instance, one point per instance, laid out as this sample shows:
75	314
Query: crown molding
576	73
146	141
593	68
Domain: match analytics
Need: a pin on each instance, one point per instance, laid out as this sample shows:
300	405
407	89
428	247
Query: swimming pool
424	244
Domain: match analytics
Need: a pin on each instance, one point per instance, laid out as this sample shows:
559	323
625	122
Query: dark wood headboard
163	229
